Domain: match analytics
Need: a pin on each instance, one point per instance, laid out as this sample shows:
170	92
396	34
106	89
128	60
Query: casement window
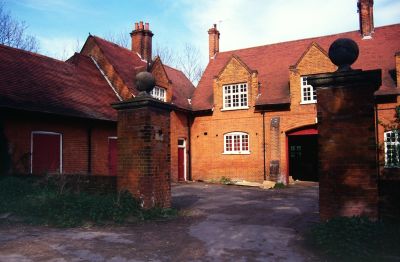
235	96
159	93
308	92
46	152
236	143
392	148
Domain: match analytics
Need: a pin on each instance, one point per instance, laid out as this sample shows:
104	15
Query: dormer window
159	93
235	96
308	92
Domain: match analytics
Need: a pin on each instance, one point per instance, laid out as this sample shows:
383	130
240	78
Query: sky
62	26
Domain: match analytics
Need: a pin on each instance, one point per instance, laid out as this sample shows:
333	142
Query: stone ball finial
343	52
145	82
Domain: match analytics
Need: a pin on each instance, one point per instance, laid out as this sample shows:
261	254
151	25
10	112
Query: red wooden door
181	164
46	153
112	156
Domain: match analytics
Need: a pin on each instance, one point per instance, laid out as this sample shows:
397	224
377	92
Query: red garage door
46	153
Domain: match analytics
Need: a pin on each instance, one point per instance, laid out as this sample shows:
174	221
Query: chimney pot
366	17
142	40
213	41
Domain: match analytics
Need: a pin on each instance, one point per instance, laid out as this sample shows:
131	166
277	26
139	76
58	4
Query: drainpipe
188	117
89	147
377	160
263	123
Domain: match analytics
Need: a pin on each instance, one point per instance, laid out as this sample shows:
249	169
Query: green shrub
225	180
356	239
279	185
42	203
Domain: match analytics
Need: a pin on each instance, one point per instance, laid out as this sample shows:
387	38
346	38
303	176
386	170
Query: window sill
235	108
236	153
308	102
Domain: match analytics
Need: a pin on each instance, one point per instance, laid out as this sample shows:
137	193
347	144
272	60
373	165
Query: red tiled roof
128	64
182	88
273	61
38	83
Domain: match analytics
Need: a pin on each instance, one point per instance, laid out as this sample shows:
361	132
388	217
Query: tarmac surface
216	223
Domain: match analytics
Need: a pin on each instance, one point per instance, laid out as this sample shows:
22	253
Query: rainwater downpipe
377	159
265	167
190	147
89	150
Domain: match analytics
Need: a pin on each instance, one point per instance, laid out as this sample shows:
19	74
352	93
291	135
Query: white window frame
61	147
235	92
159	93
231	150
305	88
395	143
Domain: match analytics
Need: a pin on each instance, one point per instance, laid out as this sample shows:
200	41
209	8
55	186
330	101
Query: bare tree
167	55
189	62
13	32
122	38
78	46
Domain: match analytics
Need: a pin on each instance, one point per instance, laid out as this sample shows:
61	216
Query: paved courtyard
217	223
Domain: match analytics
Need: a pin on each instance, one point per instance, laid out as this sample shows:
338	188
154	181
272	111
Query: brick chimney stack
142	40
366	15
213	41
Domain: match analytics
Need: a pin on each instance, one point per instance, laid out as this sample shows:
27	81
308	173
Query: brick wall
314	60
19	126
144	161
179	129
208	160
100	149
386	122
347	150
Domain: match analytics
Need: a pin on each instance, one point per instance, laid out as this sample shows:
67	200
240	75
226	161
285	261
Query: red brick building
255	113
252	116
56	117
51	117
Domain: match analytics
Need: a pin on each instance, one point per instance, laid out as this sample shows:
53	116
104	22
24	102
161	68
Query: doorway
46	152
303	155
181	159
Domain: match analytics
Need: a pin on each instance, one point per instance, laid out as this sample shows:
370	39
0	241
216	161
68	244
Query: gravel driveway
217	223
